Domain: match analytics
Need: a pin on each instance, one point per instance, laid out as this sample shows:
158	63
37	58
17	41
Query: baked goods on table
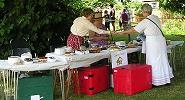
69	53
132	45
113	48
42	59
95	50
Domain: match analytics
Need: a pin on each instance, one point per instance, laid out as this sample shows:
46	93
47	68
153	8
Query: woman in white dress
155	46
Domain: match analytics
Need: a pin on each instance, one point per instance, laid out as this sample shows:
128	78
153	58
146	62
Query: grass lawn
175	91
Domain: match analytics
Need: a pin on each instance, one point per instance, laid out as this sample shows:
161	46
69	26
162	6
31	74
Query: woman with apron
80	28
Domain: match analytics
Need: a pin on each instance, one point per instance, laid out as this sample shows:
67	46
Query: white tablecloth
76	61
174	44
131	50
32	67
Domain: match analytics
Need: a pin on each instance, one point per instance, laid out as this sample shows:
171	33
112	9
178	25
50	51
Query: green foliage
174	26
173	5
1	3
136	6
80	4
39	21
119	6
98	3
173	23
36	21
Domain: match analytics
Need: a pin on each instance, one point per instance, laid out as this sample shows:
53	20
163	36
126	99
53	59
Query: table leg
77	81
68	81
140	57
172	59
10	81
61	75
174	66
16	78
2	95
72	73
4	84
180	50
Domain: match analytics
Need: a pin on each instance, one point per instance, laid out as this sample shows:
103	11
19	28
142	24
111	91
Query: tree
174	5
38	21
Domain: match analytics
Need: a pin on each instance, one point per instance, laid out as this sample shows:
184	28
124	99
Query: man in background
124	19
112	16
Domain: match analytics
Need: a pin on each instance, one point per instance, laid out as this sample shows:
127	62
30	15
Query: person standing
124	19
155	46
120	21
100	40
112	16
81	27
107	18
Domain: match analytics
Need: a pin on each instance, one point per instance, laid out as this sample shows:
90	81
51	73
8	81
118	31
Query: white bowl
60	51
69	49
14	60
120	43
26	55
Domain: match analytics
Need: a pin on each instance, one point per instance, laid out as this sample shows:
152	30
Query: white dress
156	51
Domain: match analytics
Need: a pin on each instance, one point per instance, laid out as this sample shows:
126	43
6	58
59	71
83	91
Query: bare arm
92	35
130	31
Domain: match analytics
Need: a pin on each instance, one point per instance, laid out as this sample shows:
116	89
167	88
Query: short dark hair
86	12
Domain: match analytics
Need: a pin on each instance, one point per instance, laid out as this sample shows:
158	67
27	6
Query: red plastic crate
91	80
132	78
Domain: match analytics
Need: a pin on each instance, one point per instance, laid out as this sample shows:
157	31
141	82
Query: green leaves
173	5
1	4
174	26
24	20
42	2
39	20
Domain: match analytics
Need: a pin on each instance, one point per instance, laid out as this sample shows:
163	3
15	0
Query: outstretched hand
116	33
